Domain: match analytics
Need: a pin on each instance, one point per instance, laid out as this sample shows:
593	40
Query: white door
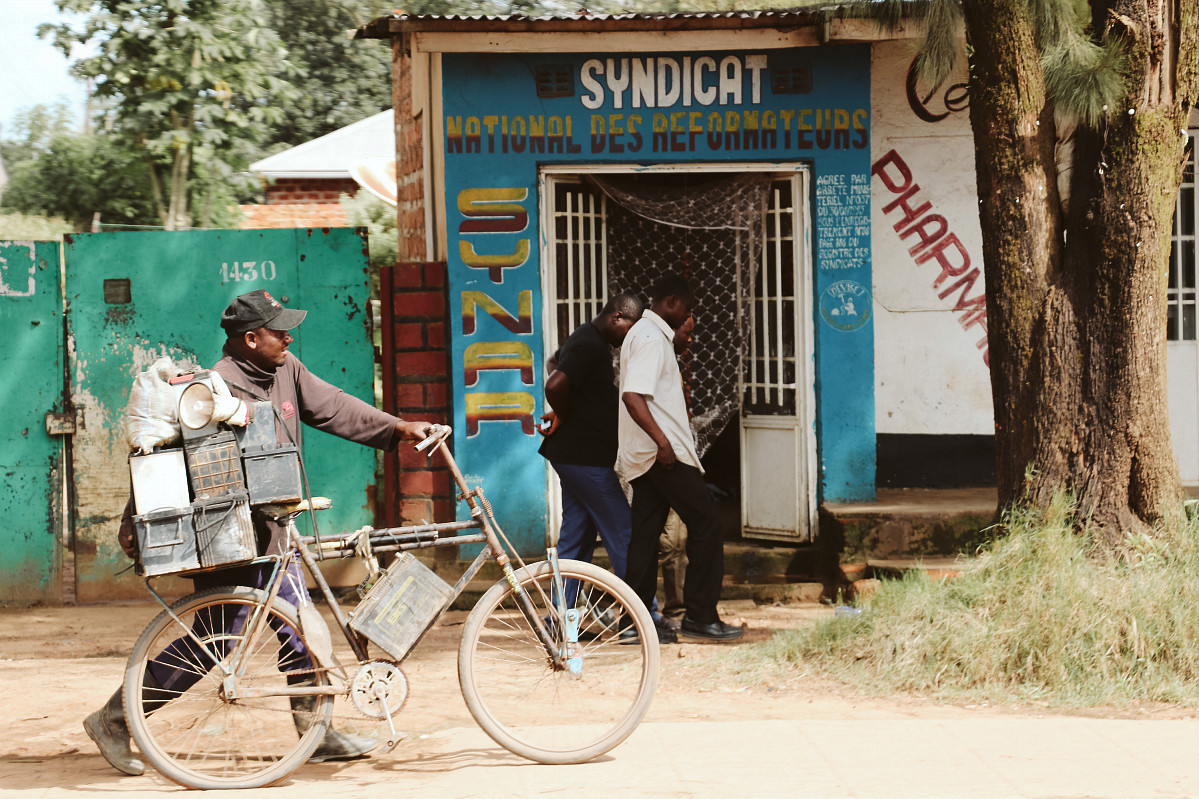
1182	350
778	497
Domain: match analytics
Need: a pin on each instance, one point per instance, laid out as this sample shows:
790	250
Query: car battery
259	430
401	606
159	481
166	541
224	530
273	474
214	465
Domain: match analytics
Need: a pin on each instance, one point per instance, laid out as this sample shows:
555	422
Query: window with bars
1181	311
770	376
580	257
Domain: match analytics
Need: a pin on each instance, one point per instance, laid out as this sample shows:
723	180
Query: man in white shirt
657	456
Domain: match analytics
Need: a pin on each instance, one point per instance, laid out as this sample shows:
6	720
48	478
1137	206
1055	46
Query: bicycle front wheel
176	702
559	716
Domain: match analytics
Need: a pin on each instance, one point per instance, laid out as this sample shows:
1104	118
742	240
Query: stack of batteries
192	502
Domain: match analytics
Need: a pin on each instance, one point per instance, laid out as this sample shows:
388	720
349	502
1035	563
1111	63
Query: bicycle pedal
392	744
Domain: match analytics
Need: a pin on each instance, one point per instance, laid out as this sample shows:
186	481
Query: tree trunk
1076	299
177	213
156	189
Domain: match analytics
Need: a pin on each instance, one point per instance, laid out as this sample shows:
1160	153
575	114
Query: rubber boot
335	745
108	729
154	695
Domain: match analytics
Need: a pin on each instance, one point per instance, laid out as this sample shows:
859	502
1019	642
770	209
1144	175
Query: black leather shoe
716	631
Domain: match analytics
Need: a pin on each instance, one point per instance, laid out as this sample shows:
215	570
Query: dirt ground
72	658
58	664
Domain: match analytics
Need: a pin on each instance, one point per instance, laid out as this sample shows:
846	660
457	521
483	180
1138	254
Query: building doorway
741	234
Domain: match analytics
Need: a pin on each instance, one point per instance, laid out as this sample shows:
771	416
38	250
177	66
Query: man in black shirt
580	441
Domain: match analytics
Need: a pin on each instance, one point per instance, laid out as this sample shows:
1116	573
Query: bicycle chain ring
379	685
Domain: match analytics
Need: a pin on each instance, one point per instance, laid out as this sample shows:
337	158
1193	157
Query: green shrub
366	210
1039	615
29	227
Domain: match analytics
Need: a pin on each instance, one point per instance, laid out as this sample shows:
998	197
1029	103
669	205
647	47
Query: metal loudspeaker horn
195	403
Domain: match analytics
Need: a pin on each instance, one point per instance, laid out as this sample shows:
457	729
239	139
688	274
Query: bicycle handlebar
437	434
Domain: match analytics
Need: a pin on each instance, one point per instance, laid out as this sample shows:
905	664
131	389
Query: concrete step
935	568
909	523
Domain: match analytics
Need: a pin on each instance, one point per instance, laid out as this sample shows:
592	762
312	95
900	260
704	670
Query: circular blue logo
845	305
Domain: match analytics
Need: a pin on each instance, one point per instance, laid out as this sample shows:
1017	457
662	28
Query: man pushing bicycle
257	366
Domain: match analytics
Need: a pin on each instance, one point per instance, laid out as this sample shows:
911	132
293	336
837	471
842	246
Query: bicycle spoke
199	738
567	715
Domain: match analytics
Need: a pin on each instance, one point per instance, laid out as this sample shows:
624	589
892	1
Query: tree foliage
366	210
339	81
81	177
26	227
33	130
186	78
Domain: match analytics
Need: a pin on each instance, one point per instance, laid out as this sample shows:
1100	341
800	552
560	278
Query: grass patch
27	227
1040	615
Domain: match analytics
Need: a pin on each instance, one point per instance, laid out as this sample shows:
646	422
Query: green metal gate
130	299
31	458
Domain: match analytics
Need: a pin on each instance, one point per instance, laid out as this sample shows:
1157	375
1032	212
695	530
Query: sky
32	71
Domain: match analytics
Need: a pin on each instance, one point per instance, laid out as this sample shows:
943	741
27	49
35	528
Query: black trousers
654	494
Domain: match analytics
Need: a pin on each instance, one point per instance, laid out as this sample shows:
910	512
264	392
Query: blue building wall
808	106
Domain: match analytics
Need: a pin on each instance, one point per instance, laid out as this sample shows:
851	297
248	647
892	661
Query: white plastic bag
150	418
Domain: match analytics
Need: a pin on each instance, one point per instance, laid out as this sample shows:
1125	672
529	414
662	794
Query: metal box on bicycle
207	534
401	606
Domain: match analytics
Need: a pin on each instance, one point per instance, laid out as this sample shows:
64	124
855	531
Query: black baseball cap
257	309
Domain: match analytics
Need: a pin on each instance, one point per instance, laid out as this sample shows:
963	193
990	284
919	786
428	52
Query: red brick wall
419	367
415	354
410	161
292	215
309	190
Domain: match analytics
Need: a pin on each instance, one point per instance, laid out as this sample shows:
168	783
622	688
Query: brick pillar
418	366
415	357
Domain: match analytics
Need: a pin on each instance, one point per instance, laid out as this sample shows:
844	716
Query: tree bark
1077	298
180	169
156	188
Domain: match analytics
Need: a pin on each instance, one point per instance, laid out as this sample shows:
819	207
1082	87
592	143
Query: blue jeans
183	663
592	501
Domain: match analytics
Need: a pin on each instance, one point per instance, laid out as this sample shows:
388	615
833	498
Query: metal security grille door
773	380
1182	349
774	444
769	381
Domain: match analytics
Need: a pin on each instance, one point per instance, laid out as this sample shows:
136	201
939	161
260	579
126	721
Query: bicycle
558	660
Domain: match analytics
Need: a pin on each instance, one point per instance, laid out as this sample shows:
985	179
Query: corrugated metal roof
584	20
580	15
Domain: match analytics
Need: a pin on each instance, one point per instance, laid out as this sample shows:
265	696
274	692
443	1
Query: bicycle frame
397	539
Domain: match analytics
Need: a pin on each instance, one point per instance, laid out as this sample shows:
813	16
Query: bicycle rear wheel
571	715
175	703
